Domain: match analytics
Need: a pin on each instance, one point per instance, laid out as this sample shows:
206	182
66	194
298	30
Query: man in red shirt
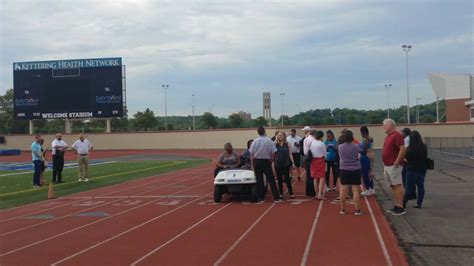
393	153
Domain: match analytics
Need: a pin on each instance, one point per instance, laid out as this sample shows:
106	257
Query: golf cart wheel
217	194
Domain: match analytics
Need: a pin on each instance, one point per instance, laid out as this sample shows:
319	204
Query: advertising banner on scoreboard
68	89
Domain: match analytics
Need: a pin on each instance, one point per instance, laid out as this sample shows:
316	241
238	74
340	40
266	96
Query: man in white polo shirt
82	147
59	146
294	141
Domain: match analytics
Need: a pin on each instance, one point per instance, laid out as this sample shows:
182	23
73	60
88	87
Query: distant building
267	108
244	115
458	92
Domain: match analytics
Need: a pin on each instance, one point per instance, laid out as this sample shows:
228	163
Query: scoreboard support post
67	126
31	127
108	125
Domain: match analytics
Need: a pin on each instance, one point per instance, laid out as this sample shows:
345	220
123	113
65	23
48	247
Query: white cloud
240	47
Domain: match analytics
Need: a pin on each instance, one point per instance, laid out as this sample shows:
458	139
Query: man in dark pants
309	186
58	148
36	159
262	153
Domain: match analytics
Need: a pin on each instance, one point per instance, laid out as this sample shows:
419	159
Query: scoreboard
68	89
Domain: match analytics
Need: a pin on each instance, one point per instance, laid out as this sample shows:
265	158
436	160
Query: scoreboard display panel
68	89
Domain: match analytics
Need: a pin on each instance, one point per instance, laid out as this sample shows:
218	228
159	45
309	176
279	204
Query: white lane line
123	233
72	230
179	235
221	259
388	260
237	242
58	218
186	171
160	180
41	210
311	235
86	225
49	169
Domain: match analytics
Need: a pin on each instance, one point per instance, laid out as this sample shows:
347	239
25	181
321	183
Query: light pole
210	108
194	117
417	110
388	99
282	94
166	86
407	48
299	115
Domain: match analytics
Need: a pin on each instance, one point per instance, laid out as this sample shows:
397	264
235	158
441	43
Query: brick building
458	92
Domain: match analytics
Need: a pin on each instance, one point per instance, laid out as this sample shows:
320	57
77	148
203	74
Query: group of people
347	160
80	147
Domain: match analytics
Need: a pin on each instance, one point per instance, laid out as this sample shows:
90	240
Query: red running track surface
170	219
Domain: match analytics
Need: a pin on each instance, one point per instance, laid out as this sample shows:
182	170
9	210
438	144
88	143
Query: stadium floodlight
407	48
388	99
166	86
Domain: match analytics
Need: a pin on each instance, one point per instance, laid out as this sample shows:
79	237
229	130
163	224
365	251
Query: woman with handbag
416	157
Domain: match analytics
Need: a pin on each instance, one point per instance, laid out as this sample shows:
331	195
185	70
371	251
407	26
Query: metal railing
451	145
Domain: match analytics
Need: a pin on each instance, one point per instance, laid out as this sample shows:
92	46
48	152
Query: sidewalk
442	232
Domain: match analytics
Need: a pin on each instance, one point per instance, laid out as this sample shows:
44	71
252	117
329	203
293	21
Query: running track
170	219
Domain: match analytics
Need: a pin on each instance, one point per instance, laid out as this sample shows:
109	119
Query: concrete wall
215	139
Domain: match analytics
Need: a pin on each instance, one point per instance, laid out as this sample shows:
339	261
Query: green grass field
16	190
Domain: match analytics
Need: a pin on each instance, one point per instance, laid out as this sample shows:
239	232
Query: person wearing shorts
393	153
350	173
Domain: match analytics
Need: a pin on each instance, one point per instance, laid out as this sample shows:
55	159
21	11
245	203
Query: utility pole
194	117
388	99
407	48
166	86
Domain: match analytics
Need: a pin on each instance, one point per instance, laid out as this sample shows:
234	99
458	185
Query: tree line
147	121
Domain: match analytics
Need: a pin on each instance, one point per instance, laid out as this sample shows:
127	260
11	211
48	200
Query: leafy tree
329	120
208	120
260	121
120	124
8	125
235	121
307	120
144	120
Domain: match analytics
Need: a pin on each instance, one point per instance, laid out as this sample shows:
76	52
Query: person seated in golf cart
245	162
227	160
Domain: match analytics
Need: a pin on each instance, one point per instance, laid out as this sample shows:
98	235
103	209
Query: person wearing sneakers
81	147
262	154
349	171
283	163
294	141
331	160
58	148
307	140
416	157
364	146
36	159
318	151
393	153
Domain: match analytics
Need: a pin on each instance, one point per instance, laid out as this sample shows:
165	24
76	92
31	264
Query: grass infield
16	190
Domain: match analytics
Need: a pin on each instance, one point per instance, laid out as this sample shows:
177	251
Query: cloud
320	53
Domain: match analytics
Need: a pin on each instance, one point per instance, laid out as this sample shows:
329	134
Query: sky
320	54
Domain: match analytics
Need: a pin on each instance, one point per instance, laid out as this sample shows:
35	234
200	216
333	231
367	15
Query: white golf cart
236	182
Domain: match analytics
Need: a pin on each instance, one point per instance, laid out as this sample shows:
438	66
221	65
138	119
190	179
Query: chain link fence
451	145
